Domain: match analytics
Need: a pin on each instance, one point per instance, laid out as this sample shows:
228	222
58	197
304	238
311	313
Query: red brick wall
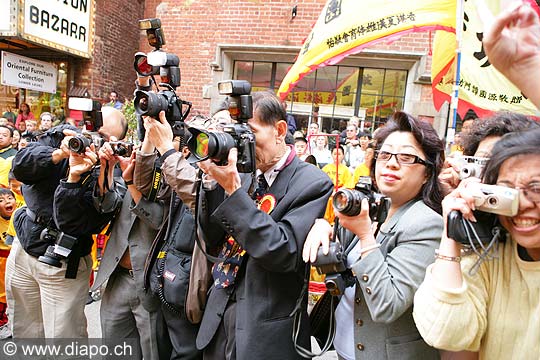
193	28
117	38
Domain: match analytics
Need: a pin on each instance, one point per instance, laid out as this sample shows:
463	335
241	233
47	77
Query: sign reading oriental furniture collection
23	72
66	25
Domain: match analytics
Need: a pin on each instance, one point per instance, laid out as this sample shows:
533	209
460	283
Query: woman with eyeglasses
388	259
495	310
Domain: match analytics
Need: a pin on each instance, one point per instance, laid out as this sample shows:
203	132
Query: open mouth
525	222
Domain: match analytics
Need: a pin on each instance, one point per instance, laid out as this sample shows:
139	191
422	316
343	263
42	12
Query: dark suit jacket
134	227
271	280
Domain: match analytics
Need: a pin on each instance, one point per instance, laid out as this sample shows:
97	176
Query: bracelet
446	257
128	182
370	247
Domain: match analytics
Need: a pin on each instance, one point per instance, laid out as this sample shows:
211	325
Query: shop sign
8	18
24	72
67	25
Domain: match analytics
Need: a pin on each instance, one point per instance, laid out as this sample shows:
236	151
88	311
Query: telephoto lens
79	143
210	145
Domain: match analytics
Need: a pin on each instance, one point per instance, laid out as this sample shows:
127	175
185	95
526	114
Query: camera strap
156	184
297	318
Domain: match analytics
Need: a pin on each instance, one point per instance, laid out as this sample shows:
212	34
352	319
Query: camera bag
170	259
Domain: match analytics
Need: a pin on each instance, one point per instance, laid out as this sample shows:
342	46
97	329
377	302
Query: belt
36	219
122	270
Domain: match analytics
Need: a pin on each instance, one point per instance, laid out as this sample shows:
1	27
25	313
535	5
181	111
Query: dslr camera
334	265
349	202
471	166
491	200
216	145
63	244
93	121
166	65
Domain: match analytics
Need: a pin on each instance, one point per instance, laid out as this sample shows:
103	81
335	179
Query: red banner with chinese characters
345	27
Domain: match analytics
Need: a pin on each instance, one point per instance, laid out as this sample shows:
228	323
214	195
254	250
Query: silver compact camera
471	166
495	199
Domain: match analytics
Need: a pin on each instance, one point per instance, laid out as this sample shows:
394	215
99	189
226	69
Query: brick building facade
213	37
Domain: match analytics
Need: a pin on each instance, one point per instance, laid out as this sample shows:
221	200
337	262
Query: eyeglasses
531	191
401	158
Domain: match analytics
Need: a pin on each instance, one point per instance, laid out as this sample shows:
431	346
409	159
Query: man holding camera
257	285
49	266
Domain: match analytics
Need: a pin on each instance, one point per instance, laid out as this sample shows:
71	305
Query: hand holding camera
81	163
159	132
226	175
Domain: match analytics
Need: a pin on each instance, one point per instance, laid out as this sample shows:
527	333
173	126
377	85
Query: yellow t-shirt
344	175
361	170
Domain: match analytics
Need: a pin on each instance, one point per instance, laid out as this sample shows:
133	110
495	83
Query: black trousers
176	336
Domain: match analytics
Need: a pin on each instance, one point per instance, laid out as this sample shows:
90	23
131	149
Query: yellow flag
481	88
345	27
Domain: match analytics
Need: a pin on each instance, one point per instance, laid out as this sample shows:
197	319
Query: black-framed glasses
531	191
401	158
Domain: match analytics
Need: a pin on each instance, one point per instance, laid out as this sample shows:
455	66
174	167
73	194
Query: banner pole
455	93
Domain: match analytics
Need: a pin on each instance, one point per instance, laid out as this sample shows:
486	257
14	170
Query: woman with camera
388	261
493	310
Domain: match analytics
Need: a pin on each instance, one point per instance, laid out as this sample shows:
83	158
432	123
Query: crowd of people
203	261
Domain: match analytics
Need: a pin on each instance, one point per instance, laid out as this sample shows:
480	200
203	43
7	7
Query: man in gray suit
127	310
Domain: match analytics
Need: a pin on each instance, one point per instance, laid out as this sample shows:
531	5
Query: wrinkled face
337	153
300	148
523	172
7	205
5	138
400	182
268	143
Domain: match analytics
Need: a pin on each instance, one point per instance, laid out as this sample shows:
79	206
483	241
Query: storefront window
11	98
330	95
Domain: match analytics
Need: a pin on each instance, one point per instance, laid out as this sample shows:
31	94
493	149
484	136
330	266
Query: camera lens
201	145
78	144
348	202
150	104
210	145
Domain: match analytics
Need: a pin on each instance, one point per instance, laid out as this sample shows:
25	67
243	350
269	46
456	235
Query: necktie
224	273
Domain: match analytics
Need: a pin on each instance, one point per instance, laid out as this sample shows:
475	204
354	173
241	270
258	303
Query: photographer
478	142
126	309
493	311
176	326
374	316
256	287
45	300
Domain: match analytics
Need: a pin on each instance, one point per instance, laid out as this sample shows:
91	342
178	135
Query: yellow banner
481	87
345	27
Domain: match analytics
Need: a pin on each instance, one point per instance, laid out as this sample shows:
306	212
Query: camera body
471	166
490	200
349	202
166	65
334	265
63	244
121	148
216	145
495	199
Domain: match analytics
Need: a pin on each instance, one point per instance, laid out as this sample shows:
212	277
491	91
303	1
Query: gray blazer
134	227
386	283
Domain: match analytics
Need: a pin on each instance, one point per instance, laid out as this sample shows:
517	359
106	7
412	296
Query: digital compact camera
471	166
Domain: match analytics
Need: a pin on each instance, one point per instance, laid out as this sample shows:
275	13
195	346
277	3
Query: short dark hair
268	106
512	144
498	124
9	128
300	139
6	191
340	147
469	115
431	145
